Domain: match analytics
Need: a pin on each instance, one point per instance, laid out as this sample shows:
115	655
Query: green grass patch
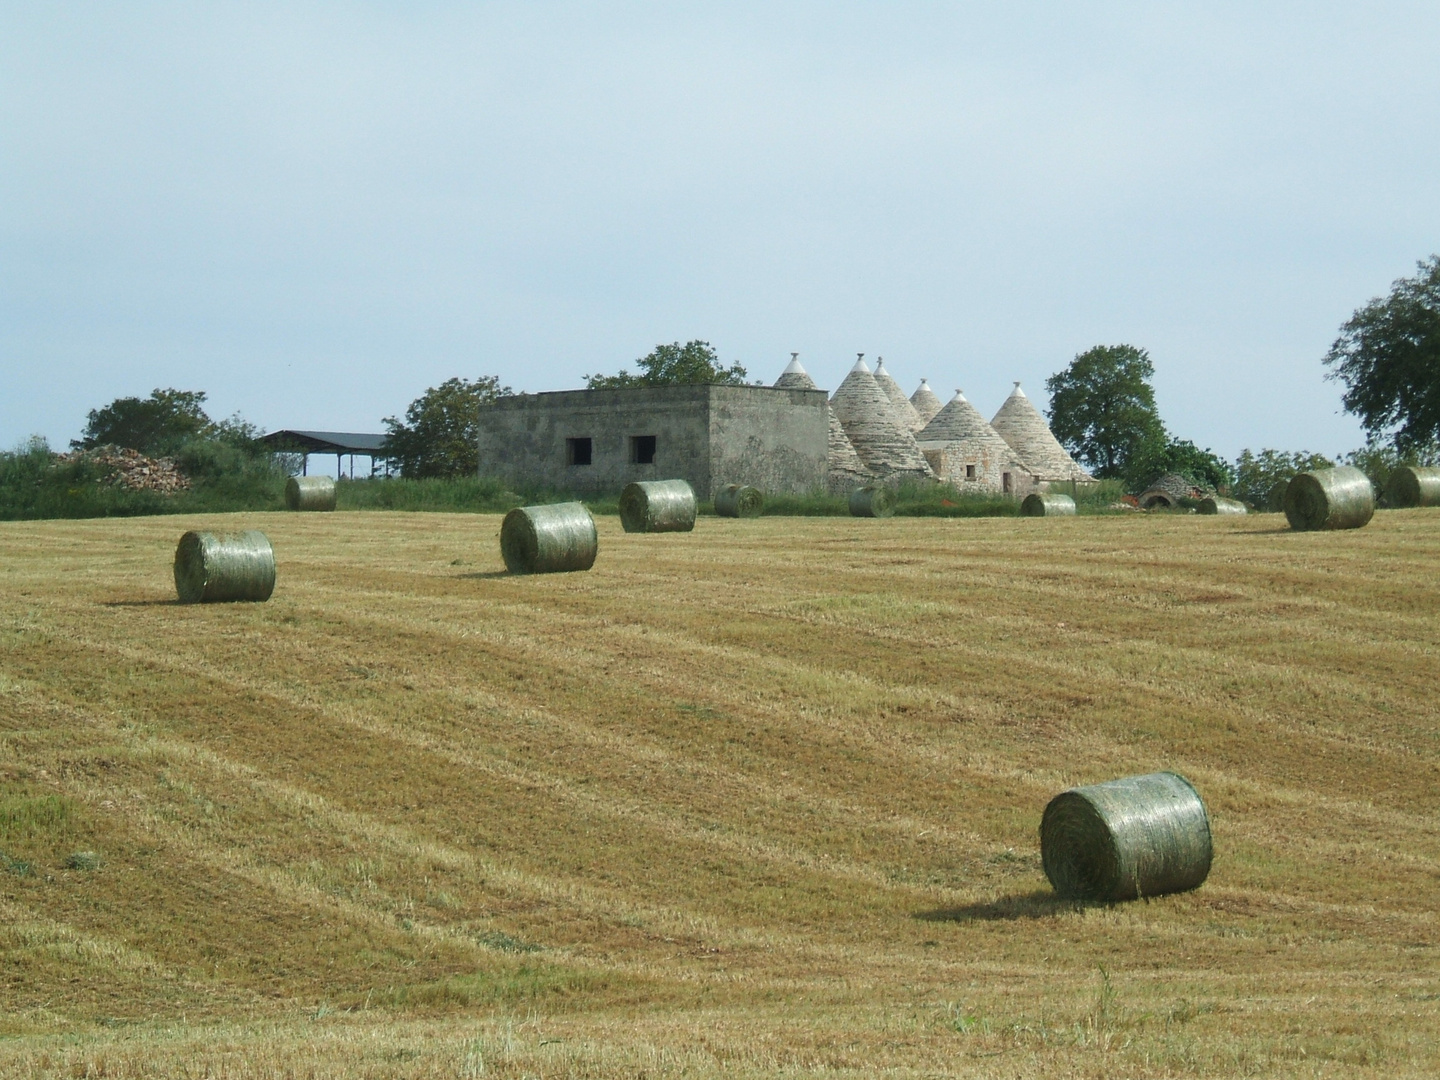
45	817
455	495
505	986
19	867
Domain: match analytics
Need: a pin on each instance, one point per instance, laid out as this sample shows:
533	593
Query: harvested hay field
756	800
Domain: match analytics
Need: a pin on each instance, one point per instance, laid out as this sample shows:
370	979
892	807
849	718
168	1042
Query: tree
159	424
1203	468
1102	407
1388	357
695	362
440	433
1257	474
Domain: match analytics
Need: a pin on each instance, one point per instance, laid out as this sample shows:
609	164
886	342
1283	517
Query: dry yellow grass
756	800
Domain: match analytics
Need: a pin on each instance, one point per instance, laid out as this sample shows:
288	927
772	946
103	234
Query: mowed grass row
758	799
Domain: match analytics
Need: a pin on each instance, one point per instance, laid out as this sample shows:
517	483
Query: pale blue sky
315	211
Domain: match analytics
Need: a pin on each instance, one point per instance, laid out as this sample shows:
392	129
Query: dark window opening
969	472
1005	482
577	451
642	449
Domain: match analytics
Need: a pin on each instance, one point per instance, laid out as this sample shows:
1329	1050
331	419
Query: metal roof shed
338	443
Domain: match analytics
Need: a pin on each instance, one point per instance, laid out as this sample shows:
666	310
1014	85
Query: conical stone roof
925	402
905	413
795	377
886	448
1020	425
961	422
844	469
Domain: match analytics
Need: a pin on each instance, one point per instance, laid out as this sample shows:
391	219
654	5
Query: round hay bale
872	501
548	539
1330	499
1414	485
1046	505
1275	498
1140	836
310	493
1216	505
739	501
213	569
651	506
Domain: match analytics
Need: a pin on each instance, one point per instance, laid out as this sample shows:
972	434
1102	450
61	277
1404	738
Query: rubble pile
131	469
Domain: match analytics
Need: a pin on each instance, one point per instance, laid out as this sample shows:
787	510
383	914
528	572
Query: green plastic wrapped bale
1047	505
1140	836
310	493
1275	499
872	501
1330	499
654	506
1414	485
1216	505
548	539
214	569
739	501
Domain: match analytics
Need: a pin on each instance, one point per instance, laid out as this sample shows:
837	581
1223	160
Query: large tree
159	424
668	365
440	433
1388	357
1102	407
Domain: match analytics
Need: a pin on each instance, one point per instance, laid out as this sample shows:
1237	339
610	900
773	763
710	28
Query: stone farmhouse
790	438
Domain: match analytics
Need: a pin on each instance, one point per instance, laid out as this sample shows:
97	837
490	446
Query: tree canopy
159	424
695	362
1204	468
1388	357
1256	474
1102	408
440	433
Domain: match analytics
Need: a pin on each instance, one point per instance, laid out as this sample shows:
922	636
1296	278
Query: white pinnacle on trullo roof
885	447
925	402
1020	425
795	377
905	413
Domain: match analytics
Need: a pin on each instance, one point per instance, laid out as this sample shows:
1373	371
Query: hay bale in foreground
1330	499
548	539
1414	485
213	569
1216	505
739	501
310	493
872	501
1140	836
1041	504
651	506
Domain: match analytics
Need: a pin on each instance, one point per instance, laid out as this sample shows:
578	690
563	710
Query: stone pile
131	469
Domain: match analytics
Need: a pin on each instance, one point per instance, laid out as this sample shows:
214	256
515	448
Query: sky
315	211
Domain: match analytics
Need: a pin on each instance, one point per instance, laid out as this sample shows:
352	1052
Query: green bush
225	477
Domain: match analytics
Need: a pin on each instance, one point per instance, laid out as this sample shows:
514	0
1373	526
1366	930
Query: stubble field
759	800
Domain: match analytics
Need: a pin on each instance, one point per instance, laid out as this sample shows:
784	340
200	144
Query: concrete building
595	441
